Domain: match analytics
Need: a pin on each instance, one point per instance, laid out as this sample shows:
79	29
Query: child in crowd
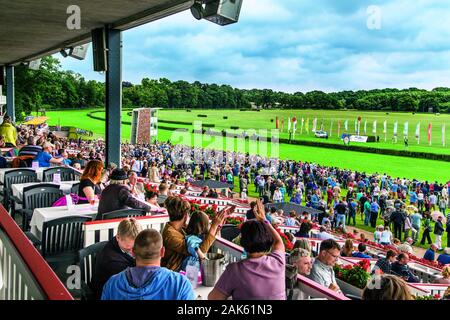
198	226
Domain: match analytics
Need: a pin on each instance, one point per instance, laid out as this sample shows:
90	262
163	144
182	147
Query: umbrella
436	214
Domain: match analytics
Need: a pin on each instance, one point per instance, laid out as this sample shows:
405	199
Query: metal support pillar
10	100
113	96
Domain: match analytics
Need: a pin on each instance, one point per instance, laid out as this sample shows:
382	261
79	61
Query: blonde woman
445	276
387	287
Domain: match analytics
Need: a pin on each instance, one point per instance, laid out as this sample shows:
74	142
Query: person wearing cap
117	195
9	131
45	157
438	231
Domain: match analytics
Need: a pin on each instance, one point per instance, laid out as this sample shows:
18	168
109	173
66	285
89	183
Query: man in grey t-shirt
322	271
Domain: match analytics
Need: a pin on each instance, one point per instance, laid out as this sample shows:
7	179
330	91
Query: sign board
353	138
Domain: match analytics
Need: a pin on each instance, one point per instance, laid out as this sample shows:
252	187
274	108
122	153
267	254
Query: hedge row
400	153
202	116
234	128
175	122
390	152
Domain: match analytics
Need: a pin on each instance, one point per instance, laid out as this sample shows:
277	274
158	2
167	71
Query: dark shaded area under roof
288	207
213	184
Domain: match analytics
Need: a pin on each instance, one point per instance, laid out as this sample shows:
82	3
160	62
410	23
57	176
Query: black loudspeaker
2	76
99	49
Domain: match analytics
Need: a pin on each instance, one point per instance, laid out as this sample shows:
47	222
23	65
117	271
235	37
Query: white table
65	186
39	172
42	215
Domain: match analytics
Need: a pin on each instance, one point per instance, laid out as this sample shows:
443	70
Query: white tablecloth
65	186
42	215
39	172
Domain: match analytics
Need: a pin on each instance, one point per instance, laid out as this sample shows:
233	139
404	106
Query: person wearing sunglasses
322	271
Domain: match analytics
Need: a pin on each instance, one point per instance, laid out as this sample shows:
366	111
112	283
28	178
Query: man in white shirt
433	201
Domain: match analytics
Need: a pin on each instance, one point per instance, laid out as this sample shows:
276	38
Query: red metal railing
48	281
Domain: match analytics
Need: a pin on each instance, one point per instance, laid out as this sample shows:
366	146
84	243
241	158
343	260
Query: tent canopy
36	121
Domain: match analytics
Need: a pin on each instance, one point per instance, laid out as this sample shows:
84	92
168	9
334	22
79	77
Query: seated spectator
175	231
389	288
377	234
31	149
136	188
305	227
323	234
445	276
251	212
303	244
148	280
62	153
117	195
45	158
163	194
196	230
401	269
430	254
116	256
347	249
386	236
361	252
239	280
444	258
89	187
384	264
322	271
292	221
301	259
406	247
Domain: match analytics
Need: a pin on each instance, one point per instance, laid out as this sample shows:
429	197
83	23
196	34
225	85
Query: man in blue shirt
445	257
45	158
360	254
148	280
430	254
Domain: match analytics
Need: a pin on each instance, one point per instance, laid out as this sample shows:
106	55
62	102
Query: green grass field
393	165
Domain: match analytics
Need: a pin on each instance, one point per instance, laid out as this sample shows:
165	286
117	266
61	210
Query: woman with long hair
347	249
90	181
387	287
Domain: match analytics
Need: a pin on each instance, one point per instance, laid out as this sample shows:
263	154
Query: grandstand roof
32	29
287	207
213	184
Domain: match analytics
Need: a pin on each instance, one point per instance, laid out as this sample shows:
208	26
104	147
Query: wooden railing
24	274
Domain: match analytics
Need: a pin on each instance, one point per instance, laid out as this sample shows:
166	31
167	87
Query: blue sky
295	45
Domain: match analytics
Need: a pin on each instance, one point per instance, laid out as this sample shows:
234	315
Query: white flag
314	125
418	131
385	126
289	124
356	126
346	125
443	138
374	127
365	126
331	128
405	129
395	128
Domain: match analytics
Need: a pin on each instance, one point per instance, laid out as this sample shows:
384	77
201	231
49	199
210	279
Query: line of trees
54	88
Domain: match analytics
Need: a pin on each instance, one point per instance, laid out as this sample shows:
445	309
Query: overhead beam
113	96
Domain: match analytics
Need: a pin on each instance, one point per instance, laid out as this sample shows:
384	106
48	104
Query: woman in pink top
261	275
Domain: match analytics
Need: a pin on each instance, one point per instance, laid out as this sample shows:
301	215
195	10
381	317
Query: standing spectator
438	231
374	208
367	207
426	229
408	226
8	131
447	228
340	210
398	219
416	221
322	271
277	196
148	280
433	201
